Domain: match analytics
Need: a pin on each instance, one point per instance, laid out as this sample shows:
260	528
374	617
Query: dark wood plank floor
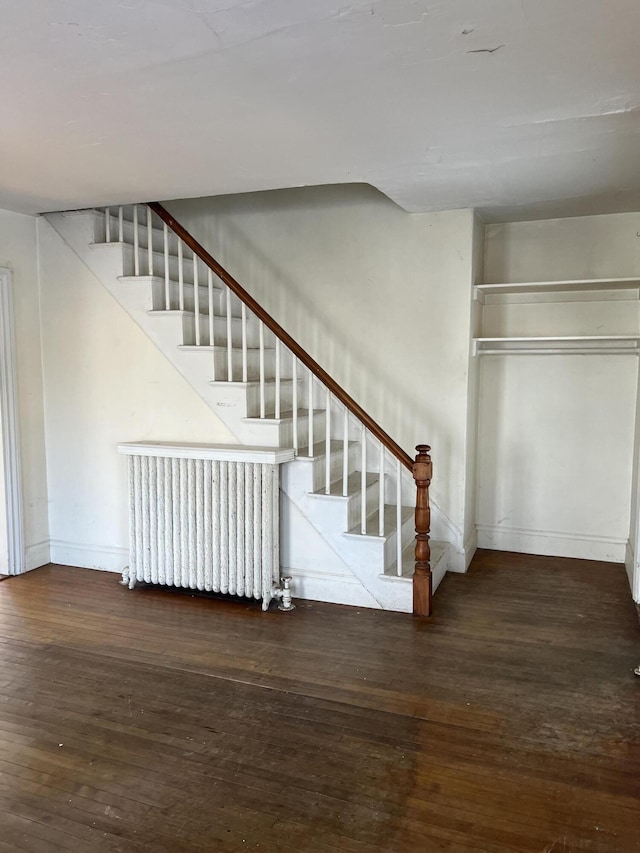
150	721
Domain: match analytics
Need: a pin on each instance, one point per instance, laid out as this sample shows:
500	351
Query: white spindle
180	276
212	334
229	342
399	517
244	342
381	492
277	402
149	240
327	443
345	454
196	298
107	225
363	479
120	224
167	286
136	242
262	400
310	413
294	392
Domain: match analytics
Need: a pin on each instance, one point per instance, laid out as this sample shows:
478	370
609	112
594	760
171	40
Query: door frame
10	427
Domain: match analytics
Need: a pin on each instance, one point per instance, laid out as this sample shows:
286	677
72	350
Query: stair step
217	347
251	383
157	285
407	512
174	284
252	359
286	417
354	482
438	550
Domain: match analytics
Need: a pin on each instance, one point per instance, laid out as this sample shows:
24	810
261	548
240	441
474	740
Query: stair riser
308	475
220	335
336	471
378	550
346	512
270	432
219	299
158	266
220	363
286	398
128	235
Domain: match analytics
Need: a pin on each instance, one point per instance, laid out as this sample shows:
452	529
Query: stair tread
438	550
221	348
159	279
335	446
389	521
353	486
284	416
253	383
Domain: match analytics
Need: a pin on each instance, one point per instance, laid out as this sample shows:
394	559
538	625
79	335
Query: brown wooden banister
423	600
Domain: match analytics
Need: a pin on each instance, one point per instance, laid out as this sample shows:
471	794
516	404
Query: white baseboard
459	559
629	562
552	543
106	558
633	572
36	555
324	586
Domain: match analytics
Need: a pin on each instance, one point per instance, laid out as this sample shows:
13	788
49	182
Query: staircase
348	498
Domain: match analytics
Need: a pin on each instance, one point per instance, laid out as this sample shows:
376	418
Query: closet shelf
568	286
571	345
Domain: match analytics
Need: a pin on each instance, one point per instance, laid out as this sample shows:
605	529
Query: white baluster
149	240
120	224
327	443
277	403
262	400
381	492
345	454
310	413
212	335
180	276
244	342
294	391
107	225
399	517
167	286
136	242
229	346
196	297
363	480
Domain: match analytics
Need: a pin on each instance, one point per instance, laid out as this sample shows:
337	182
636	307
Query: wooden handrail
280	333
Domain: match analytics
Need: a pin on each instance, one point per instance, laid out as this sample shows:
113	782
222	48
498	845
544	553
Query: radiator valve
284	594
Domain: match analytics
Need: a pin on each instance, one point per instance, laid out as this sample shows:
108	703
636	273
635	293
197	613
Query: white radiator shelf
213	452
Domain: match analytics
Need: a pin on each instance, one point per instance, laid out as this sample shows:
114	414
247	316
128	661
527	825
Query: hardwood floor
153	721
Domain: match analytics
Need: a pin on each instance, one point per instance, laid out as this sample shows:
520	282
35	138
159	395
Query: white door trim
10	432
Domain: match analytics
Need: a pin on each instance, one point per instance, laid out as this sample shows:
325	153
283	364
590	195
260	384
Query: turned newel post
422	470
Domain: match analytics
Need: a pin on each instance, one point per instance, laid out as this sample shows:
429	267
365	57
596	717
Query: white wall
105	383
556	433
18	252
473	390
379	297
4	545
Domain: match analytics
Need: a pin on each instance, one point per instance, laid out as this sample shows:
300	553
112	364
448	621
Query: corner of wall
41	550
471	473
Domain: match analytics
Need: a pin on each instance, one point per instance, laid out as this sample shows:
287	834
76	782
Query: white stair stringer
322	545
